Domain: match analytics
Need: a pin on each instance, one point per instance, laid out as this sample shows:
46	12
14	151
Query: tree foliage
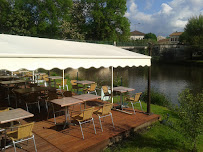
69	19
106	20
191	115
193	34
151	36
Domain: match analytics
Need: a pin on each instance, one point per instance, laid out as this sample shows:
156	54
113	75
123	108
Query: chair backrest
45	78
73	82
25	131
65	82
32	97
105	89
33	85
67	93
106	109
52	95
87	113
2	109
93	86
137	96
29	74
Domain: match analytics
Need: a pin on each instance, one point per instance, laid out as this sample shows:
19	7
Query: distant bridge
133	47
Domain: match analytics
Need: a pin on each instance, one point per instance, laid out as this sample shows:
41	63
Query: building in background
136	35
174	37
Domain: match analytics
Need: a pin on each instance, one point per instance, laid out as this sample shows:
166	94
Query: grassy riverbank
157	138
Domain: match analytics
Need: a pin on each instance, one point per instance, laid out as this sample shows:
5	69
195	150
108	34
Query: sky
161	17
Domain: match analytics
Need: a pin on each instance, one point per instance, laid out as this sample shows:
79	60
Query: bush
190	113
157	98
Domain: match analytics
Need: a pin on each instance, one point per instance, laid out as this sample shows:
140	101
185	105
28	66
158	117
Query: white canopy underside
17	52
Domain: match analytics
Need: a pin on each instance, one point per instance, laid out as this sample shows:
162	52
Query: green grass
158	137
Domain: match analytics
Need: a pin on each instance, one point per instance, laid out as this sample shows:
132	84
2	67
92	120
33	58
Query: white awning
31	53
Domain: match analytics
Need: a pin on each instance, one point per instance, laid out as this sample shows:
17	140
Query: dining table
8	77
33	89
87	97
13	82
66	102
54	78
11	116
121	90
84	83
20	93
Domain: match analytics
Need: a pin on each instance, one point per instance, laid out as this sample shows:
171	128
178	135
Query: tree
41	18
75	28
105	20
17	22
4	11
50	15
70	31
193	34
150	36
190	113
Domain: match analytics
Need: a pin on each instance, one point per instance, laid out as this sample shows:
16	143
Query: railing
130	43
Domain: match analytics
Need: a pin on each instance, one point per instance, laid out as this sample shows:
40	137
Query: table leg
54	83
121	101
66	117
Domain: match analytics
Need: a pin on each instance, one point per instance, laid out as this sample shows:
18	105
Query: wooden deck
50	137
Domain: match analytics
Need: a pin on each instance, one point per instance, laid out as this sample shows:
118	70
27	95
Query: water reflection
168	79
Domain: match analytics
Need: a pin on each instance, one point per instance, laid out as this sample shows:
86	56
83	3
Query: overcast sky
161	17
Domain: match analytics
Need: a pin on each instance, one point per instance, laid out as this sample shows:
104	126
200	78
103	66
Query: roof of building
176	34
163	41
136	33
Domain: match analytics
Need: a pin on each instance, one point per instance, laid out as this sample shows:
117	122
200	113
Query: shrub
190	113
157	98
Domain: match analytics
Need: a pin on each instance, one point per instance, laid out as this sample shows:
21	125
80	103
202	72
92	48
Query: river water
167	79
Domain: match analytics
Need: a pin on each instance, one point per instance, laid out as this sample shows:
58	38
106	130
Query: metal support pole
112	84
77	76
33	76
49	78
63	77
149	83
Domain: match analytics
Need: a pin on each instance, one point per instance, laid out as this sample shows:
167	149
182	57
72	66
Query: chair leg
100	123
34	143
26	107
38	106
94	126
133	107
14	145
140	105
112	120
54	114
46	104
81	130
